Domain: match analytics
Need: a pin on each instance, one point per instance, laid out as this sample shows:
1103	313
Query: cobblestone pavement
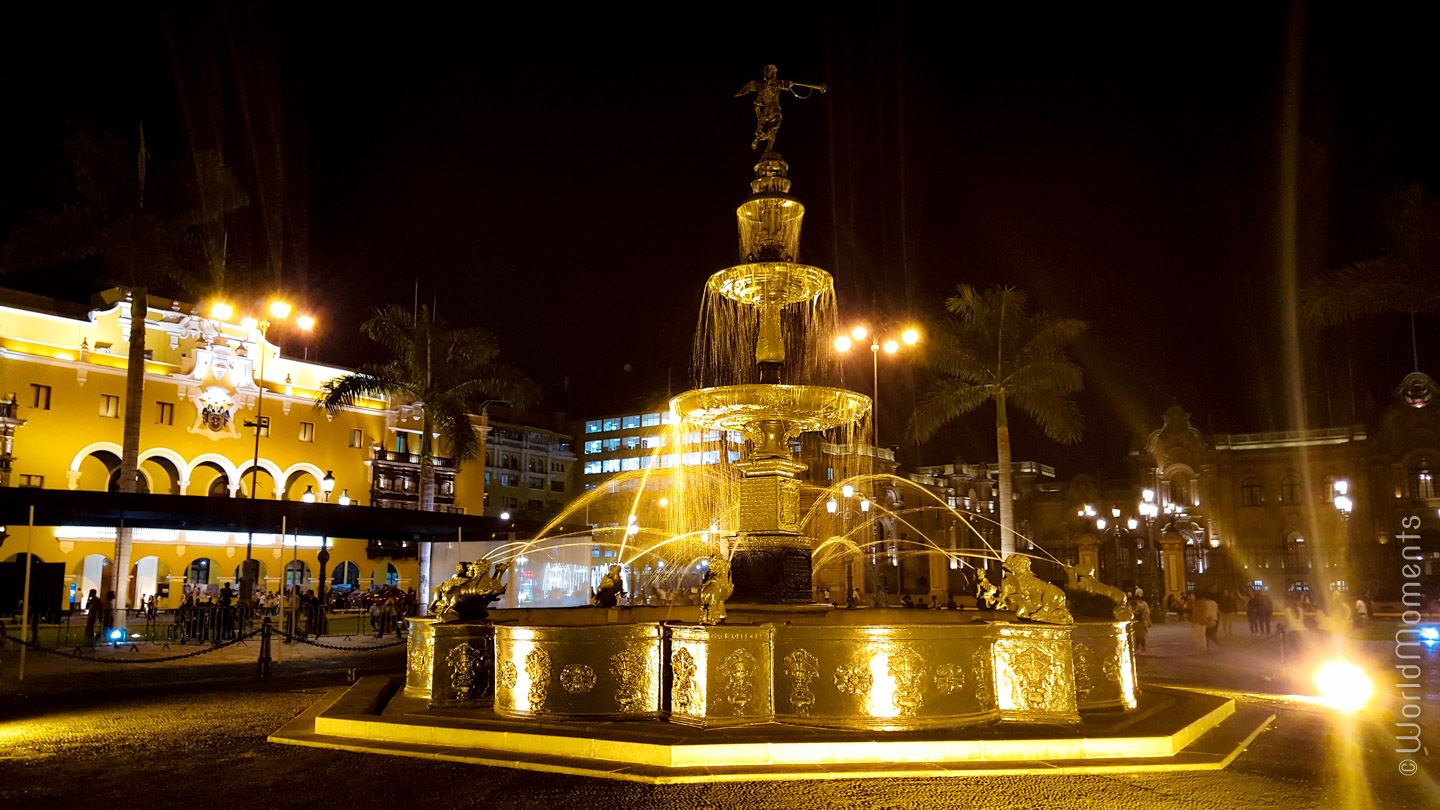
199	742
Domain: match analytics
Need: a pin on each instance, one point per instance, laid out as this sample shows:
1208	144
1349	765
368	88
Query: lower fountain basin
912	675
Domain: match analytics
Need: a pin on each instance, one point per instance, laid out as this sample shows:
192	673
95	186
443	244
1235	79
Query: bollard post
263	664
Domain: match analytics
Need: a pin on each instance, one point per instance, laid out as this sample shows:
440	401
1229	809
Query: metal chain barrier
365	648
95	659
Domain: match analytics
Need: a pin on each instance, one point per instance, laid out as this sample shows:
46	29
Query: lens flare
1343	685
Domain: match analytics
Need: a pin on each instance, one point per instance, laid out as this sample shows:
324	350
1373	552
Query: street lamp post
847	493
1149	510
279	310
909	337
1344	505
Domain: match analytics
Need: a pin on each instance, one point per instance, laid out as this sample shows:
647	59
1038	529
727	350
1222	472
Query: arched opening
97	471
260	479
149	576
346	575
160	475
96	573
297	482
387	575
198	572
209	478
260	577
297	573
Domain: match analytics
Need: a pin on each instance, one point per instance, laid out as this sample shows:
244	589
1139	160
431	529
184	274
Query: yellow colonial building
62	382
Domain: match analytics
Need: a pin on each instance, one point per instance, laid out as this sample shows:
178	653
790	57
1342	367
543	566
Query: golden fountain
768	660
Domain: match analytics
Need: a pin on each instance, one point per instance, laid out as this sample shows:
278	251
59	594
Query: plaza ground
194	736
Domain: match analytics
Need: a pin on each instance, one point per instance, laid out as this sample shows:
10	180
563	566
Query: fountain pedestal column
770	562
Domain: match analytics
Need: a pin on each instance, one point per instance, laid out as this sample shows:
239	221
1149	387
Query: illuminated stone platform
1170	730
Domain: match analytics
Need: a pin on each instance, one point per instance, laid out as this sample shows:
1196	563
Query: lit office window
592	426
630	422
612	424
628	464
668	418
592	468
611	465
650	420
631	442
652	442
592	446
612	444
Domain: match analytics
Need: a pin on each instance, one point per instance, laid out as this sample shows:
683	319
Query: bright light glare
891	346
249	323
842	343
1342	487
117	634
1343	685
305	322
504	515
1100	524
847	491
864	505
911	337
664	501
633	529
831	506
280	309
222	311
1430	635
858	333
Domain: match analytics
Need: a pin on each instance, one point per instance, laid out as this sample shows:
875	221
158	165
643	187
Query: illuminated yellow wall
67	443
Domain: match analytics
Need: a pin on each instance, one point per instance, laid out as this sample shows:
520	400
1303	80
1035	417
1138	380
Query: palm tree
145	228
446	369
1405	279
995	350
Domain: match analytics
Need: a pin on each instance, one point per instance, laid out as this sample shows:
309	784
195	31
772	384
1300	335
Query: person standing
1141	609
1252	612
93	609
1208	611
1265	610
108	614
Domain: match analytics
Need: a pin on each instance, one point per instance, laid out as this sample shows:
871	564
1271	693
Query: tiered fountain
769	660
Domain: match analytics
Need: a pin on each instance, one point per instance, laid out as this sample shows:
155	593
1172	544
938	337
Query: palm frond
1057	415
946	401
452	421
1059	376
369	382
1370	287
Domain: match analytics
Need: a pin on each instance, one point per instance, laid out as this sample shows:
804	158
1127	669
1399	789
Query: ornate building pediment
218	382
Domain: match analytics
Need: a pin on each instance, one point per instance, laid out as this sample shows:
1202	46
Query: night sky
567	178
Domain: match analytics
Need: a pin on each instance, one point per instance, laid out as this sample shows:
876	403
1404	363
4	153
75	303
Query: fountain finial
767	105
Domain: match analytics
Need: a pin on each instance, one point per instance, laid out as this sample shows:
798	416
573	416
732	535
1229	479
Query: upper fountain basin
804	408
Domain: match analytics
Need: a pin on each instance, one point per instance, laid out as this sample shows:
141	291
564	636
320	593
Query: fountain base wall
843	676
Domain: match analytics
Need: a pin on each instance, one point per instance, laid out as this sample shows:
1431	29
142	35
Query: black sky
568	178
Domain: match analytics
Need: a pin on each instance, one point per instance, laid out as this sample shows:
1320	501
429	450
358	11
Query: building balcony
411	459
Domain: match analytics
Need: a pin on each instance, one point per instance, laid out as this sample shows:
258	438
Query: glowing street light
344	499
221	311
844	343
847	491
309	496
504	515
327	484
305	322
279	310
